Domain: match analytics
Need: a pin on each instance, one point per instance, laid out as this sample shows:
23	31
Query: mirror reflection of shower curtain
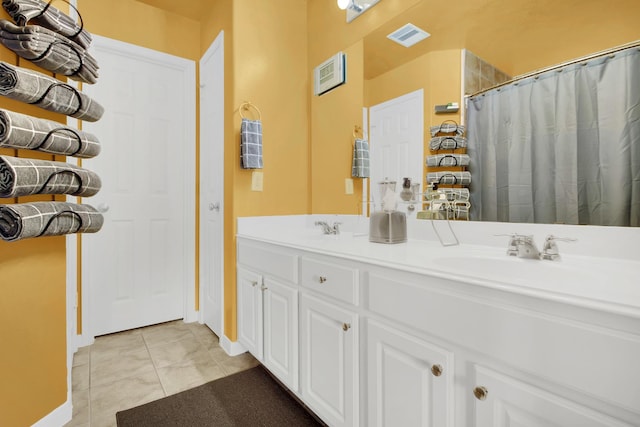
560	147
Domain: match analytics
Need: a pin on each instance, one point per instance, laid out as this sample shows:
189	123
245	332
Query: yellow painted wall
269	70
32	303
334	115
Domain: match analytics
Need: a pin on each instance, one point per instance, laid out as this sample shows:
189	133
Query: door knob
480	393
214	207
436	370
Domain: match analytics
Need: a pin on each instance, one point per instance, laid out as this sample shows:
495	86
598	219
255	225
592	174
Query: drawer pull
322	279
346	326
480	393
263	288
254	284
436	370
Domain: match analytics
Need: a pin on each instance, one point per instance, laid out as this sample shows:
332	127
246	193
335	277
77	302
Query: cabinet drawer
328	278
269	260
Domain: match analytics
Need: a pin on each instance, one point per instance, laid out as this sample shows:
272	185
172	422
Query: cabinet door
280	304
250	311
409	381
328	362
503	401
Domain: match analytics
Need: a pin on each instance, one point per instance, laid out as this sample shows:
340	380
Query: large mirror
508	37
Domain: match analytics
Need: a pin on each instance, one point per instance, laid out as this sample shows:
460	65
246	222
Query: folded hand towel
45	15
33	133
46	92
447	127
49	50
360	164
251	144
25	220
24	177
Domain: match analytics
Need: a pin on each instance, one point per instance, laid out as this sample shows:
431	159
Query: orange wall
269	70
334	115
32	305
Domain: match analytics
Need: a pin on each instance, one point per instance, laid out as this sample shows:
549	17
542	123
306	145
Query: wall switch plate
256	181
348	186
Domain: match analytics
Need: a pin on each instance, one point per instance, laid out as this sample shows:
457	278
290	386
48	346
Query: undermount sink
589	275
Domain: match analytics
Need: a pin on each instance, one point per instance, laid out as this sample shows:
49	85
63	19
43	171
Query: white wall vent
329	74
408	35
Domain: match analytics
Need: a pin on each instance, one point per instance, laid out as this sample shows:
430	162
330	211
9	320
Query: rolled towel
448	127
360	164
440	160
449	178
447	142
24	177
26	220
49	50
45	15
26	132
251	144
46	92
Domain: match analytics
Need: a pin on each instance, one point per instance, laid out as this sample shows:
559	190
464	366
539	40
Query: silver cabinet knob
436	370
214	207
480	392
322	279
254	284
263	288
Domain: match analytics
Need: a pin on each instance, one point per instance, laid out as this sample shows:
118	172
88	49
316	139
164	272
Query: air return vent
408	35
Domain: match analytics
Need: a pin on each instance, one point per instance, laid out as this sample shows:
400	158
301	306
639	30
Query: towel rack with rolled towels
52	40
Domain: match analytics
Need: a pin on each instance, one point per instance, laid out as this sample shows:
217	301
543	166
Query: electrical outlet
348	186
256	181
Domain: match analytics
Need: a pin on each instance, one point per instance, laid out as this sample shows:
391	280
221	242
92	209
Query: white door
328	361
249	296
138	270
409	382
212	185
280	305
396	136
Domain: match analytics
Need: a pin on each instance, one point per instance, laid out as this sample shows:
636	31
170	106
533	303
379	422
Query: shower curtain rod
558	66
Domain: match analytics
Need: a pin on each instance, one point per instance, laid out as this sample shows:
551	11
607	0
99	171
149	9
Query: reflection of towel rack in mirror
246	106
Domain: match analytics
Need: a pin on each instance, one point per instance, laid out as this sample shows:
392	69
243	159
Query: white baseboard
58	417
232	348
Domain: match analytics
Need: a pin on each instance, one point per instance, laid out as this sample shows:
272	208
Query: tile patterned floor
134	367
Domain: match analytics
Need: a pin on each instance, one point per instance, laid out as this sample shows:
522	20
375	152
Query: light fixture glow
343	4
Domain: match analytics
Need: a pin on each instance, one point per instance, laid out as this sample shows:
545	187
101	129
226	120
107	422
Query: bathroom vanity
417	334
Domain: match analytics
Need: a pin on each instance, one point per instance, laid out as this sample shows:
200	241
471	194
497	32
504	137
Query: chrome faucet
524	247
329	229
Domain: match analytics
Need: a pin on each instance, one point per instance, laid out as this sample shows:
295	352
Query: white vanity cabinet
365	343
329	340
268	309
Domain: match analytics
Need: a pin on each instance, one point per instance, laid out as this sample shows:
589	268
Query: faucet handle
550	248
512	248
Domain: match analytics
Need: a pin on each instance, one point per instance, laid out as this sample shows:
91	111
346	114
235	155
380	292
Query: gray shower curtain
560	147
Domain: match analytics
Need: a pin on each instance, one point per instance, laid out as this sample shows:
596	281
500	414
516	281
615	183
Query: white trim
365	181
232	348
463	74
218	44
59	416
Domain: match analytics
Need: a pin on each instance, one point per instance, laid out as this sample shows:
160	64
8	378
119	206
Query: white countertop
605	283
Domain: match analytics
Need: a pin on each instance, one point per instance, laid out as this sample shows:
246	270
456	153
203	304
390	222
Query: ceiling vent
408	35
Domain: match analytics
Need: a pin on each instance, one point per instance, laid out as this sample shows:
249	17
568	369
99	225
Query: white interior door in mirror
396	147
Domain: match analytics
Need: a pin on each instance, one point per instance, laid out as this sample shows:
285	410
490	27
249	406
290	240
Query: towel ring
357	129
246	106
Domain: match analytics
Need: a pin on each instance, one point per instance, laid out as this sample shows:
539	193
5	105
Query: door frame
217	45
74	258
